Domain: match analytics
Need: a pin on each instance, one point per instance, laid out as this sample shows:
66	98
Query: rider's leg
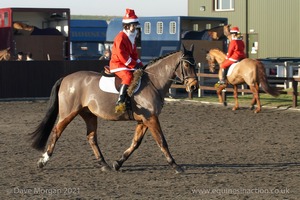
224	66
126	77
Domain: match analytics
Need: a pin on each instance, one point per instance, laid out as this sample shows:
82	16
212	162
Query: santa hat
130	17
235	30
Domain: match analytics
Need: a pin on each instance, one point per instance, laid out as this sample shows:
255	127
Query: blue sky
107	7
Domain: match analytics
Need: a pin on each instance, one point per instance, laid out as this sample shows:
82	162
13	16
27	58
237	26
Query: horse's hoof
225	103
40	164
117	165
252	107
105	168
178	170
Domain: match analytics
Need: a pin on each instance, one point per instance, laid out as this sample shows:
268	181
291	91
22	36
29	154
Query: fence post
287	74
200	81
191	95
295	92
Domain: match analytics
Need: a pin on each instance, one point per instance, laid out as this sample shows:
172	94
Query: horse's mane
159	58
218	51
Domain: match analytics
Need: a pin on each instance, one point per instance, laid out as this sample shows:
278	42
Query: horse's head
22	26
4	54
211	61
186	70
226	30
213	56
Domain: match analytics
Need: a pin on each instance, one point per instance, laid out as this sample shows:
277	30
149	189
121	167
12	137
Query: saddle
117	81
133	87
111	83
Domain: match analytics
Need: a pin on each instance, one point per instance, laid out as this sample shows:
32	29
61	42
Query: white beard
131	35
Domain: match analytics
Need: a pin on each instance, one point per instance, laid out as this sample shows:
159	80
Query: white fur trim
232	59
127	21
121	69
128	61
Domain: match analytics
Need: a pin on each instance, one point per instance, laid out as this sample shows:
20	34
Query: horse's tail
41	134
264	81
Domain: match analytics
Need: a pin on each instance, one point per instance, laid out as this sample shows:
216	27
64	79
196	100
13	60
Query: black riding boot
120	105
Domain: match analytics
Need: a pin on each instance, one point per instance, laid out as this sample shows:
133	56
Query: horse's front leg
220	87
255	99
220	91
155	128
235	95
137	139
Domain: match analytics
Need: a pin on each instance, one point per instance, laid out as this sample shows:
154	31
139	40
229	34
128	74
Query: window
147	28
172	28
224	5
159	28
195	27
6	19
66	30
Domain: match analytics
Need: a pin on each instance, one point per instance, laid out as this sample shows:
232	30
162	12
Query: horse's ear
183	47
192	48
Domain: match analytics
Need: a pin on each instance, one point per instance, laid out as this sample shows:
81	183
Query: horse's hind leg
136	141
236	98
56	133
154	126
255	99
91	125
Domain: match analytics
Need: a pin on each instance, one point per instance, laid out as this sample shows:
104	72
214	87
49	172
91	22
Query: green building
271	28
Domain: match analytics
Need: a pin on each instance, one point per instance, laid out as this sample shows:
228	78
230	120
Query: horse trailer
161	35
42	31
87	39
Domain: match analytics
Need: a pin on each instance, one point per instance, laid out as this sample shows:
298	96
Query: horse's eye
186	64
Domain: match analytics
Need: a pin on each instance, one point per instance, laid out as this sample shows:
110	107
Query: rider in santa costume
236	51
124	58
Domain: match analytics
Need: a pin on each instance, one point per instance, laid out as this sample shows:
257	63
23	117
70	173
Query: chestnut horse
4	54
249	71
79	94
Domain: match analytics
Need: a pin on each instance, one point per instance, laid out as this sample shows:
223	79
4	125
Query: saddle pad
231	68
107	84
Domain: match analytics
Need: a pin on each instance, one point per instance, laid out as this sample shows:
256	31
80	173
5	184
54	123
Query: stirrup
120	108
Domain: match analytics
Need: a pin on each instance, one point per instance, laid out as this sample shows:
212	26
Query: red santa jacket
124	54
236	50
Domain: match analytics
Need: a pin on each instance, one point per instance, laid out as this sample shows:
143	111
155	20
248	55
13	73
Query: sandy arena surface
226	155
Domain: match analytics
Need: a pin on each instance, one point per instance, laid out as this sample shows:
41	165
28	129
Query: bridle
183	73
